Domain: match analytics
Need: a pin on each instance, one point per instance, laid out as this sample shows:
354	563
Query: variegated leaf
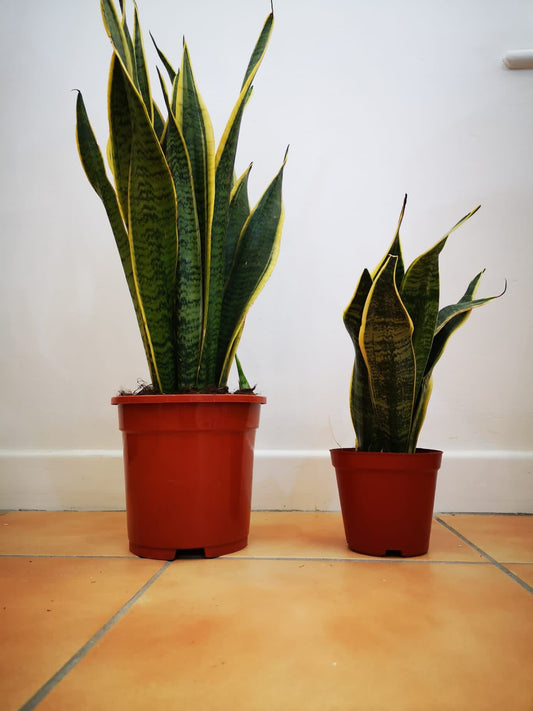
361	409
239	212
225	165
255	257
194	122
395	250
93	164
189	287
153	237
115	31
453	316
386	345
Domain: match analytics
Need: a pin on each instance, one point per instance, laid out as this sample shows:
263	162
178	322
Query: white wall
375	100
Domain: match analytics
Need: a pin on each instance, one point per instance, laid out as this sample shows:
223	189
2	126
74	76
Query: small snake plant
399	334
194	253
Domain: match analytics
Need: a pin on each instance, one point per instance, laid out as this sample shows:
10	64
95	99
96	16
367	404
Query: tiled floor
295	622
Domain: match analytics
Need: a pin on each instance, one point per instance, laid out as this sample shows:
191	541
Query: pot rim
419	450
351	457
188	398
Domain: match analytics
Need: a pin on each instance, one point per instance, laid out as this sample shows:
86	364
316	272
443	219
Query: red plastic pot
387	499
188	462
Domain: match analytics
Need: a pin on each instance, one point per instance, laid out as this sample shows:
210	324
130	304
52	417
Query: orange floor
295	622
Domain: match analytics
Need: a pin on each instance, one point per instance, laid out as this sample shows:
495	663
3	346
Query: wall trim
296	480
266	453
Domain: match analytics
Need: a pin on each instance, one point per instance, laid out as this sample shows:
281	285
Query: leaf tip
504	288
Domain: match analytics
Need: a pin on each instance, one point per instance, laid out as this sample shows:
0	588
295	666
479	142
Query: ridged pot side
188	463
387	499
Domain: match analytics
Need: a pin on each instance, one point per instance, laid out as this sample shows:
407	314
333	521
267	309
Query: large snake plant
194	254
399	334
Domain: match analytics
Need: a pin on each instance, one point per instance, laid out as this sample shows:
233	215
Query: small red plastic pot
188	462
387	499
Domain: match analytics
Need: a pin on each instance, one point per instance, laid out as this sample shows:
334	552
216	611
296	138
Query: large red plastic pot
387	499
188	462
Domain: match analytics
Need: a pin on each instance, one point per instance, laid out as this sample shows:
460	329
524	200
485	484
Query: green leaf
164	91
361	409
168	66
159	122
115	31
255	257
189	288
225	165
243	382
231	355
120	134
93	164
217	275
239	211
424	393
453	316
395	250
258	51
386	345
353	314
420	292
153	237
129	43
195	125
174	98
143	80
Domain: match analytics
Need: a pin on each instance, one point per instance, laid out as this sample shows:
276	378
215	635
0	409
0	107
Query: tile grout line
83	651
384	559
492	560
87	556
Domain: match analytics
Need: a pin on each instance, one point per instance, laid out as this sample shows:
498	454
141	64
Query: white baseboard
468	481
56	480
300	480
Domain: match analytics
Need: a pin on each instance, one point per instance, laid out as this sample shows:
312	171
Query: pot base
381	552
173	553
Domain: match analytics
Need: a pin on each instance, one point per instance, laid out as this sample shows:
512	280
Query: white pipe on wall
519	59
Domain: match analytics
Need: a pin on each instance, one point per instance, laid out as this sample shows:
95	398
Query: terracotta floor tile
321	535
50	607
232	635
64	533
506	538
272	534
523	570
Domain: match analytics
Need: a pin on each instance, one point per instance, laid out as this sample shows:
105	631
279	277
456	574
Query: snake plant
195	255
399	334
